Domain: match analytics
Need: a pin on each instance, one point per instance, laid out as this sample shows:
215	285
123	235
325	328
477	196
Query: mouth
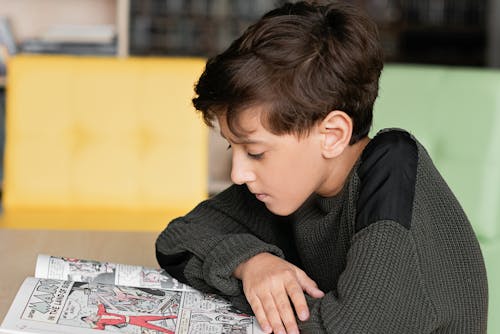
261	197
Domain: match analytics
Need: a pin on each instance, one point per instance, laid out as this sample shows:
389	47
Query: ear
336	131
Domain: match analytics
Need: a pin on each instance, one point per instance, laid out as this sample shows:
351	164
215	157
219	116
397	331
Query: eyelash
251	156
255	156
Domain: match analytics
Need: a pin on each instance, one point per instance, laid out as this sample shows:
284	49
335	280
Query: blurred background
455	32
439	32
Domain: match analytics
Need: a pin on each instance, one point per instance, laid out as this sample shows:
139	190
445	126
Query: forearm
204	247
203	263
218	266
380	290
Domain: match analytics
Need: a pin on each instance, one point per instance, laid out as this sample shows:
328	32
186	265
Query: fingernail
303	315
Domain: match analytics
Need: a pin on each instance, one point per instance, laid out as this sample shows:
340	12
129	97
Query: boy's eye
250	155
256	156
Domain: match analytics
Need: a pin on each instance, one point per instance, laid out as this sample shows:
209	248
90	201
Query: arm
204	247
380	290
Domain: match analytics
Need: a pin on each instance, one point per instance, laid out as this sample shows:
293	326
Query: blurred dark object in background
445	32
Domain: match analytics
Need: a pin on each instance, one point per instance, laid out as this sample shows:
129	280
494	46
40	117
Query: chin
280	211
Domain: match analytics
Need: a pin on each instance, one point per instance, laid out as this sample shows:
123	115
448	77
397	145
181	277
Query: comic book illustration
79	270
57	306
207	313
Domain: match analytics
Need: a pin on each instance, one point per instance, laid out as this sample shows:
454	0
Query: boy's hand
270	283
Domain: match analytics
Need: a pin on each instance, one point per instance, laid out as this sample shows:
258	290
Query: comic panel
79	270
104	307
208	313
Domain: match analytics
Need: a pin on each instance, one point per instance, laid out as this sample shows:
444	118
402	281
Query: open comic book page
79	270
57	306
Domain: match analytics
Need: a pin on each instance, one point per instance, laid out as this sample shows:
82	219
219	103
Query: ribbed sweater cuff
221	261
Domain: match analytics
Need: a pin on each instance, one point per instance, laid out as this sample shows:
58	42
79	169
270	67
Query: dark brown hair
299	62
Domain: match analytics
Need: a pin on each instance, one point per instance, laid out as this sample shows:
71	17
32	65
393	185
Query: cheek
294	183
290	176
283	176
304	170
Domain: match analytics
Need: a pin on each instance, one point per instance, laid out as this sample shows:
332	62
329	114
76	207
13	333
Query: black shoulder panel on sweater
387	173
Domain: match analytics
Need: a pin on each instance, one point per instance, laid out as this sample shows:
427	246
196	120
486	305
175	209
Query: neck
340	168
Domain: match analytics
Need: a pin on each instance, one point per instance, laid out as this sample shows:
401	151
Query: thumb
308	285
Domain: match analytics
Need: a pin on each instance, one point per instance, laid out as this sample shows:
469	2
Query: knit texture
386	276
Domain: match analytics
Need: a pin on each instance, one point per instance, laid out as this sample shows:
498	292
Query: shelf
29	25
438	32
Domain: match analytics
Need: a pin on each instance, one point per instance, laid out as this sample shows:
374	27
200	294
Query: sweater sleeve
204	247
380	290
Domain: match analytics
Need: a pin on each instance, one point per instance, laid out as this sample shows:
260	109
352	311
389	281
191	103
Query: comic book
82	296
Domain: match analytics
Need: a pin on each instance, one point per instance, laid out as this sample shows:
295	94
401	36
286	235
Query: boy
325	230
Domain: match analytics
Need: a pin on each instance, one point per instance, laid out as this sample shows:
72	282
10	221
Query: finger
272	314
260	314
308	285
298	299
286	313
315	292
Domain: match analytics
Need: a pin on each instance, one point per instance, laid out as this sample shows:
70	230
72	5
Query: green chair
455	113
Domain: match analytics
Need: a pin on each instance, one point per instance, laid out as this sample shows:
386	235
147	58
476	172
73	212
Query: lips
261	197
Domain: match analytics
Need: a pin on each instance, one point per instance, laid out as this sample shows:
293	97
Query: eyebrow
244	140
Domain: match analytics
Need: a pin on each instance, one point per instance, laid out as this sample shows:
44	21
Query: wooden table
19	250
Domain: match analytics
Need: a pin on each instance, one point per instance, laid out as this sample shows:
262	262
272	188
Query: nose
241	171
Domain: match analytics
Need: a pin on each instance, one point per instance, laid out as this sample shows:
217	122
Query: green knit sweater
394	251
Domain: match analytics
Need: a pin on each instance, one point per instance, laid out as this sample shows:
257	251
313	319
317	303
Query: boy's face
281	170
